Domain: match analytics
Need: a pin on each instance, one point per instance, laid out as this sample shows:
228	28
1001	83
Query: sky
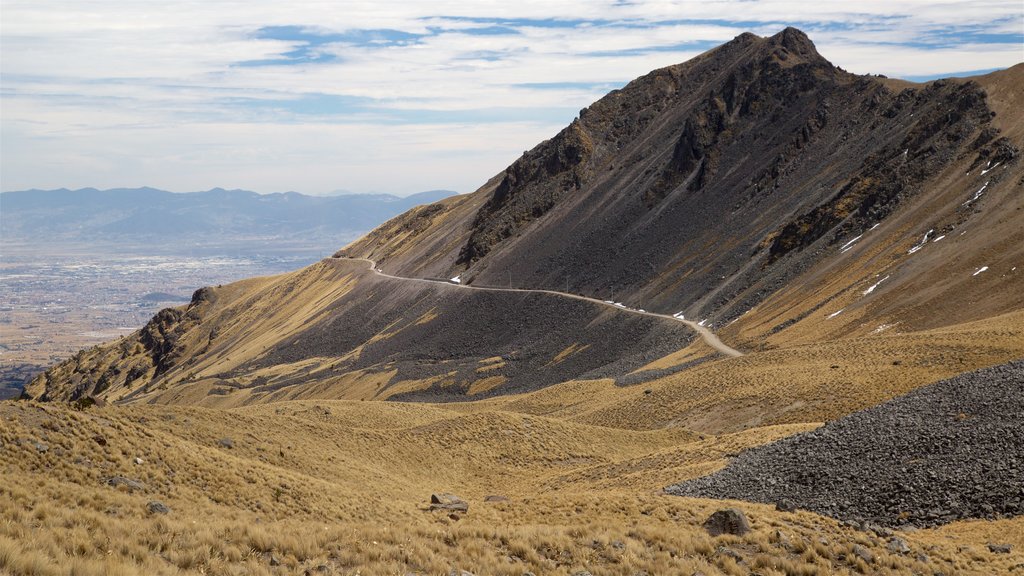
390	96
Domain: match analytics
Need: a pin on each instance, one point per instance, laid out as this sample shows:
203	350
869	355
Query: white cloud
118	92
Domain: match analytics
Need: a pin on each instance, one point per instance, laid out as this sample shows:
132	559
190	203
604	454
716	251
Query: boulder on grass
448	502
727	521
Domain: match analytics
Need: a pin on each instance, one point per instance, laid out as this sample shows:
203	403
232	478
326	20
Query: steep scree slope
709	185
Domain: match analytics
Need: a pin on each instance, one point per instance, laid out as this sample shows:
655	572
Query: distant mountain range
217	216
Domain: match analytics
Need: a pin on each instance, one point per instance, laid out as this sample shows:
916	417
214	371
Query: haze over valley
85	266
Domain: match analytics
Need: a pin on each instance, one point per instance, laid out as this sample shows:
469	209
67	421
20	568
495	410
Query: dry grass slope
343	485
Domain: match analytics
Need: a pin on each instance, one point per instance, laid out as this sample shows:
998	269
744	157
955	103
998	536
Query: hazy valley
82	267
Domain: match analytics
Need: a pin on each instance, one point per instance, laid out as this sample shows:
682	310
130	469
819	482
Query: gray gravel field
948	451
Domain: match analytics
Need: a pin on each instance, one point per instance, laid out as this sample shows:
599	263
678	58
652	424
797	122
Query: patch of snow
641	310
834	314
849	244
457	279
921	244
939	238
875	285
679	315
987	170
609	302
701	323
980	270
977	194
882	328
877	224
619	304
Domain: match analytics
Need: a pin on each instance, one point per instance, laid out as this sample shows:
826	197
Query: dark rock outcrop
727	521
448	502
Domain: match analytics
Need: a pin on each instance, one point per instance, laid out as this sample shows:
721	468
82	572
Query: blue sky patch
311	43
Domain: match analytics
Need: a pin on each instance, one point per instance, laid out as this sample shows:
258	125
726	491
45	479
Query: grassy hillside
284	488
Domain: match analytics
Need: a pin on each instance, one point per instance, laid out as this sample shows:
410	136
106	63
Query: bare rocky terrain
948	451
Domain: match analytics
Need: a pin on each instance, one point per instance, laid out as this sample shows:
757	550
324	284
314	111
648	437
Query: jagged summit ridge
739	76
703	186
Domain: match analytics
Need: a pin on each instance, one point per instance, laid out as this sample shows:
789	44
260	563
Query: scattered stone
931	469
495	498
729	552
274	560
582	573
922	558
618	544
128	483
648	391
863	553
898	546
226	443
727	521
785	505
139	461
880	530
782	540
457	572
99	440
157	507
450	502
42	448
999	548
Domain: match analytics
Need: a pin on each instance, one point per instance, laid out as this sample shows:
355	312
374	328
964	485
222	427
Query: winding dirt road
704	333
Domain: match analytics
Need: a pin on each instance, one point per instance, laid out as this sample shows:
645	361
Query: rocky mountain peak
794	40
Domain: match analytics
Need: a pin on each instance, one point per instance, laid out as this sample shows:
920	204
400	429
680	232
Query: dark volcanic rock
948	451
728	521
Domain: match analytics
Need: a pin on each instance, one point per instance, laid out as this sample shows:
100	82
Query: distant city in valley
83	267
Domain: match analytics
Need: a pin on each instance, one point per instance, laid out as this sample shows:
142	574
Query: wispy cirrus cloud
397	96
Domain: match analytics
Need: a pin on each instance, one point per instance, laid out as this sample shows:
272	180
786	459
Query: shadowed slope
336	330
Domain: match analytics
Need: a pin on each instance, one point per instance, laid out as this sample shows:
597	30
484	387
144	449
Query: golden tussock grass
344	485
